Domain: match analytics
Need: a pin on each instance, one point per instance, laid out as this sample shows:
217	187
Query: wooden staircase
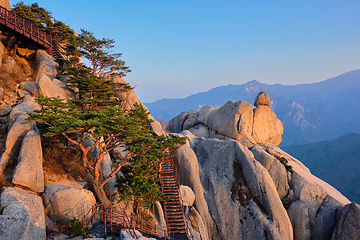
173	209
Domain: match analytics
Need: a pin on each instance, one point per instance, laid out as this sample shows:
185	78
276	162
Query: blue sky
176	48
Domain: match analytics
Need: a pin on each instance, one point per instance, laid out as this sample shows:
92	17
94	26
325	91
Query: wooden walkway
13	21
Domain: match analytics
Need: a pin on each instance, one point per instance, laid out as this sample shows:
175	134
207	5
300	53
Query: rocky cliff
236	183
248	188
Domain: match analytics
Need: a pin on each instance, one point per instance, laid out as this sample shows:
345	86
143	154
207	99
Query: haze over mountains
310	112
336	161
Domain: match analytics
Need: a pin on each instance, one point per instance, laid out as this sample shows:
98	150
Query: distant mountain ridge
336	162
310	112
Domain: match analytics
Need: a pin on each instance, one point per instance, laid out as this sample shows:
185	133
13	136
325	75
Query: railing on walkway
24	27
114	220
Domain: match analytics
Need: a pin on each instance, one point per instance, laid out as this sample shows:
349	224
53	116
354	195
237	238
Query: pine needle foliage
98	115
97	52
43	19
140	181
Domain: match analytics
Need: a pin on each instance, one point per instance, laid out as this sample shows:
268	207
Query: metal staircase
173	208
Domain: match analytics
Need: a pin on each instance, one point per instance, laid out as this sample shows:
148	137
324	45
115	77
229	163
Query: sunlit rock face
5	4
235	120
245	186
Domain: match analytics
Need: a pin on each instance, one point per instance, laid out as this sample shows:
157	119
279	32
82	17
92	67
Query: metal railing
114	219
170	160
24	27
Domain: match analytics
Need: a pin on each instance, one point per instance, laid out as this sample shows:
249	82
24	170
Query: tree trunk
100	193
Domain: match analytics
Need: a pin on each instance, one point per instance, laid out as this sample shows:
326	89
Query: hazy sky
179	47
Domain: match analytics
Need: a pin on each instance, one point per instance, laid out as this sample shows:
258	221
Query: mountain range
336	162
309	112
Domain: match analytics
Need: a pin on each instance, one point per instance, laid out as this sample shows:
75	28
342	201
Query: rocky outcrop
63	203
187	195
348	225
17	130
235	120
5	4
262	99
29	170
45	65
51	88
129	98
5	109
267	128
2	49
251	189
23	215
31	87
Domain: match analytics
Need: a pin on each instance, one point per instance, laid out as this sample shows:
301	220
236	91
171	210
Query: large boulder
234	119
52	88
157	213
28	104
348	226
29	170
300	221
196	225
12	227
17	130
187	195
267	127
262	99
279	176
63	203
9	65
183	121
30	87
45	65
263	157
325	220
5	109
22	206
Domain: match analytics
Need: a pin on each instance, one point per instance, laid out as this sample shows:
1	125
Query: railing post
111	217
15	22
141	226
92	215
6	17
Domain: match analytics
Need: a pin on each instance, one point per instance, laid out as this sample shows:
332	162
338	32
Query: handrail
118	218
25	27
188	232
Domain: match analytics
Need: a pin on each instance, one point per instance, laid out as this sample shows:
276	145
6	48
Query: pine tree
97	114
140	181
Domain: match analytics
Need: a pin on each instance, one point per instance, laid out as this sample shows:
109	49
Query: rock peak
262	99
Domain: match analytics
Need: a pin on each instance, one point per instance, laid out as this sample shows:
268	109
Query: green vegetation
77	227
140	182
43	19
97	115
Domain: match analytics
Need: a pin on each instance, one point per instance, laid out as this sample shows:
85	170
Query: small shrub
77	227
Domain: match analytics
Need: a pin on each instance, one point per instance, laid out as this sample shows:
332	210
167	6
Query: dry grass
12	75
62	160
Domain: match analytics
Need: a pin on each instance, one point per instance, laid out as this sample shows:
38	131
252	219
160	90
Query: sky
176	48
